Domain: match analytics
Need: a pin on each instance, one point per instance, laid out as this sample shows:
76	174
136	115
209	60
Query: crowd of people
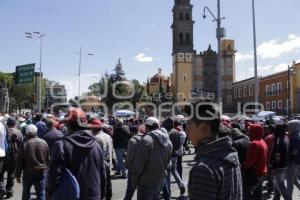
74	157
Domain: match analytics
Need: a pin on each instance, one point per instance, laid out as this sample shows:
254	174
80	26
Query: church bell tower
183	49
183	26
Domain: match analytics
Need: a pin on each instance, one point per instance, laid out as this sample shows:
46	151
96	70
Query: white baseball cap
31	129
150	121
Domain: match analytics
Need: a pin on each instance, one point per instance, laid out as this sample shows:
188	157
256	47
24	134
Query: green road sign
25	74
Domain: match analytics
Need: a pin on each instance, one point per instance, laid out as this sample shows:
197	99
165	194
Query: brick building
274	92
243	93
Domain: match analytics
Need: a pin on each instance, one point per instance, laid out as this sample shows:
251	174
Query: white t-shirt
2	139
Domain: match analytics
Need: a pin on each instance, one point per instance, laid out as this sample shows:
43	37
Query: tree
106	85
138	91
21	96
119	72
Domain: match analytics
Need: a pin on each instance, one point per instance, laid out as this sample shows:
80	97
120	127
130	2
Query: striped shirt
216	174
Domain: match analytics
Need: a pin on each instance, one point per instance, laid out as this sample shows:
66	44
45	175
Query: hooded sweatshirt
216	174
257	154
153	155
84	159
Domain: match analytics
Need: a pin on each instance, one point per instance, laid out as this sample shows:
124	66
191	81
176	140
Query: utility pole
220	34
40	37
255	58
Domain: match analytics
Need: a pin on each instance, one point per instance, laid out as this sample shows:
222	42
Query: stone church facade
194	74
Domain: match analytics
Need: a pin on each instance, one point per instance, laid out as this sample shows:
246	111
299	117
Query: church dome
157	77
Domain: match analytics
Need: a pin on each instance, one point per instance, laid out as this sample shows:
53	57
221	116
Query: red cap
96	123
75	115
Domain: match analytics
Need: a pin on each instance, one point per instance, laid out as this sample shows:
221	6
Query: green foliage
21	95
105	85
119	72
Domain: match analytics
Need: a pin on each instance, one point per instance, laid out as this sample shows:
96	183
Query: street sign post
25	74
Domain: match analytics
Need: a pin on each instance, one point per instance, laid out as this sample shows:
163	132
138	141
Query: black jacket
279	156
121	136
241	143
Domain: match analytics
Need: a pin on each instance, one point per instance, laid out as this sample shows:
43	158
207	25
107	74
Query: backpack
175	139
68	187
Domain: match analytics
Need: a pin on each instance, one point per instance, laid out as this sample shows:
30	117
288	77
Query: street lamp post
255	56
79	71
220	34
290	72
40	36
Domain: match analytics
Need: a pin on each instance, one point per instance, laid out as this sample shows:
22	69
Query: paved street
119	185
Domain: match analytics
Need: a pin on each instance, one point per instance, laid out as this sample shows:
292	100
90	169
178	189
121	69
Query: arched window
180	37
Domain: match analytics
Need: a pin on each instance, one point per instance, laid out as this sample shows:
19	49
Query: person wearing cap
294	155
22	122
152	157
106	144
121	135
216	173
33	160
83	156
15	141
255	166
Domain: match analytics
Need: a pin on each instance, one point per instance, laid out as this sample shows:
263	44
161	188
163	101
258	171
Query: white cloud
292	36
264	68
141	57
147	49
274	49
242	57
281	67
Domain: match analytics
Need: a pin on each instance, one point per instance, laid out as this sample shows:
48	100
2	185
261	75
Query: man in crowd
106	144
239	141
14	141
255	166
52	134
121	135
42	128
279	161
83	157
177	137
293	154
33	160
131	152
152	158
216	174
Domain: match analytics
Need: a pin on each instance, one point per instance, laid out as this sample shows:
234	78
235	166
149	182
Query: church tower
183	49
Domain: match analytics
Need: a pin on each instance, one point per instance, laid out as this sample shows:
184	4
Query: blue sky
138	31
